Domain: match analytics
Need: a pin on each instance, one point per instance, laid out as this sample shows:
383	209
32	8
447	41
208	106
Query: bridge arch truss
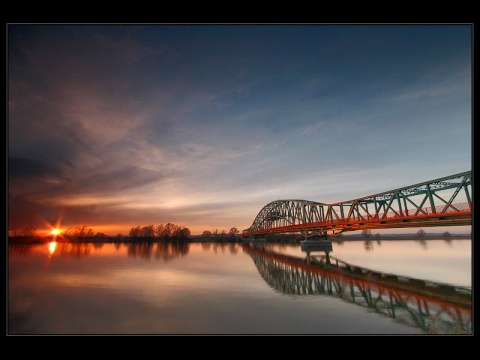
445	201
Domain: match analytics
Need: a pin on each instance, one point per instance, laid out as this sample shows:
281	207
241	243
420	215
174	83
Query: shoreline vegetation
235	238
172	233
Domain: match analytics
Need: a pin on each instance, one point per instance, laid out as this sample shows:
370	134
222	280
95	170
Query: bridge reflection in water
434	308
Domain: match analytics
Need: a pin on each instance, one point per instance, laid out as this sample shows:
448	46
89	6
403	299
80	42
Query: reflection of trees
368	245
423	243
232	247
206	246
159	250
430	307
20	249
77	250
281	246
73	249
220	246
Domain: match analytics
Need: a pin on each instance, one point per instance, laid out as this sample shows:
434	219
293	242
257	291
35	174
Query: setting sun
55	231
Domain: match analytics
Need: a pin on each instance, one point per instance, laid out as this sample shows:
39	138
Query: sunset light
240	116
51	247
239	178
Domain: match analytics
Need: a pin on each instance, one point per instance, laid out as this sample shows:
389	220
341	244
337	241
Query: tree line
163	232
232	231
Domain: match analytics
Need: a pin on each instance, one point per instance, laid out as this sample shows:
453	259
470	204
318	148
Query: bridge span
445	201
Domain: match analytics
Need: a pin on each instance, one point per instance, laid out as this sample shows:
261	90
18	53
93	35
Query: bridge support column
315	236
327	257
316	242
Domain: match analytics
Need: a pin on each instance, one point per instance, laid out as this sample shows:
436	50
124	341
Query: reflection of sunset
51	247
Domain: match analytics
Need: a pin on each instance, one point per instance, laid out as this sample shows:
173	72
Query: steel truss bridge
435	308
445	201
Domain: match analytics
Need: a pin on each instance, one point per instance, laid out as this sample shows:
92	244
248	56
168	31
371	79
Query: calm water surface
376	287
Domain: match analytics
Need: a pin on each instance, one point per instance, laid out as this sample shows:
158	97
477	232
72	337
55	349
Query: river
377	287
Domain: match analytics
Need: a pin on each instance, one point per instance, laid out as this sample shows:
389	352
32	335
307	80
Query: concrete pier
254	241
316	245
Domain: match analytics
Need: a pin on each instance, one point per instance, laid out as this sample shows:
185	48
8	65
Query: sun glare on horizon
55	231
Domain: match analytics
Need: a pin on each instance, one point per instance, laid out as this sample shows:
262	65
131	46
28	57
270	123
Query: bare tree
366	233
28	231
159	230
135	232
421	233
148	231
79	232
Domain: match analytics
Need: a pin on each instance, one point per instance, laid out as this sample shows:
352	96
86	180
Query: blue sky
113	126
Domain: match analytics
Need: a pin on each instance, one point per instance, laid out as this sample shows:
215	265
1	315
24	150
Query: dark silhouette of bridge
432	307
441	202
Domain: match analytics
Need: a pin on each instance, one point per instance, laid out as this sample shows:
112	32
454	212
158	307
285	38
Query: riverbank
273	238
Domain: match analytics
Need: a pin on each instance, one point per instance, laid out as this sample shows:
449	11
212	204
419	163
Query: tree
148	231
161	231
28	231
169	230
182	233
79	232
135	232
366	233
233	231
421	233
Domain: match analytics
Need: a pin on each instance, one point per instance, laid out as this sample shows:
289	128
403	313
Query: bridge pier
316	242
315	235
254	240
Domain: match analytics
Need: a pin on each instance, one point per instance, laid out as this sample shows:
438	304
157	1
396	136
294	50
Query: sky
202	125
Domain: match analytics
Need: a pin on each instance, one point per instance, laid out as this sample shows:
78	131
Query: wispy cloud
205	125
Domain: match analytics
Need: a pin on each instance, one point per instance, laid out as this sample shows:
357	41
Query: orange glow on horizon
114	229
52	228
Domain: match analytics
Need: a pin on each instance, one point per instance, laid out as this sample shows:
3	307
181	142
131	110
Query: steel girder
439	202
